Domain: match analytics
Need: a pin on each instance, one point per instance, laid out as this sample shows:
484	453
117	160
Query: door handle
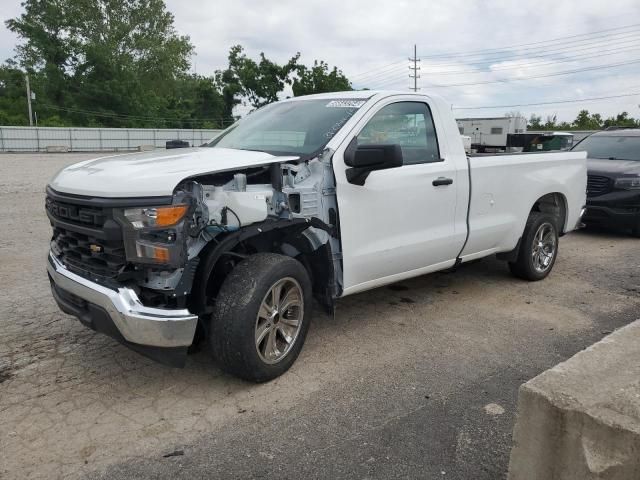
442	181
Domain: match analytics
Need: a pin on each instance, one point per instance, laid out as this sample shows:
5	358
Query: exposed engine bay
224	203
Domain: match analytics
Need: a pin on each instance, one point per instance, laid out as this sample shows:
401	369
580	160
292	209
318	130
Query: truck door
401	222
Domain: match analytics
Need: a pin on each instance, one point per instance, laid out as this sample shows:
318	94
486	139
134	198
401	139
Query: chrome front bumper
155	327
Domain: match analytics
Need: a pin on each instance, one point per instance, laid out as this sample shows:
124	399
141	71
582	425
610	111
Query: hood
613	167
152	174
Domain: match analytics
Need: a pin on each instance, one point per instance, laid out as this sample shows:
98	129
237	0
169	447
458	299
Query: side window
408	124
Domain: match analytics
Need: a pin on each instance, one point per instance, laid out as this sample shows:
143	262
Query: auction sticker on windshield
346	103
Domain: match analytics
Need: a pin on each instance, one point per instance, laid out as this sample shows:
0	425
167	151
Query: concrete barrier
581	419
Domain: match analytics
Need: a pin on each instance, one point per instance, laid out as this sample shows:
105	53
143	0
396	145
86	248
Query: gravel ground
415	380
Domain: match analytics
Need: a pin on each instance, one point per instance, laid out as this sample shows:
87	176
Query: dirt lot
415	380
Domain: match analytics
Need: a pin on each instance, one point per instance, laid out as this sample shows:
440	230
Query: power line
389	69
396	70
386	78
531	77
556	102
631	37
587	56
568	72
485	51
583	45
390	81
376	69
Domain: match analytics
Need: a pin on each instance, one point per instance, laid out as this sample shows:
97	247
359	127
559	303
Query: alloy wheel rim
544	247
279	320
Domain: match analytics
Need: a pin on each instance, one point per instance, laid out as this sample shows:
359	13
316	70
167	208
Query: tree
550	124
121	63
585	121
259	82
195	102
13	102
621	120
535	122
319	79
121	59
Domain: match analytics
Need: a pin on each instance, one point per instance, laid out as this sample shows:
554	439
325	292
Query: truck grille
598	185
86	239
89	254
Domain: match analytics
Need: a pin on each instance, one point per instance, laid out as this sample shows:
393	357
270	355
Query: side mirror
364	159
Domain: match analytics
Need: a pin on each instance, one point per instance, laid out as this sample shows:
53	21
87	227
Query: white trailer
490	134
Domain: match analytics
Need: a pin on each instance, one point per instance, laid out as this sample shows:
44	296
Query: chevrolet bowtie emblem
96	248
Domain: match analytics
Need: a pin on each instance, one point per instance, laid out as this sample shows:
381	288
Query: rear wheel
261	317
538	248
636	230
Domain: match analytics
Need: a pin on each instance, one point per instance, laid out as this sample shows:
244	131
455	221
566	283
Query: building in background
490	134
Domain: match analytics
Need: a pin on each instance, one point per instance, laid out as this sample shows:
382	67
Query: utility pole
26	76
414	68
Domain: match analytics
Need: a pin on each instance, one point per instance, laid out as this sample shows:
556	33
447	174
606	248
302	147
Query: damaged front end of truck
159	263
228	242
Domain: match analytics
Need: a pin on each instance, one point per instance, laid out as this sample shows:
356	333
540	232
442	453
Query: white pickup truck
321	196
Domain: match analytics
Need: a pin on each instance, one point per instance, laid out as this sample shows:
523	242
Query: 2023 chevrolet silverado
321	196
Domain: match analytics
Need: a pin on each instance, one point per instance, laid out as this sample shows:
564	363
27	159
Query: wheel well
221	256
554	204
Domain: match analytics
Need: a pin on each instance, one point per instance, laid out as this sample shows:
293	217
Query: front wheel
538	248
261	317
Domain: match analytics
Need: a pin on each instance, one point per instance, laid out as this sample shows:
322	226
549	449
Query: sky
474	53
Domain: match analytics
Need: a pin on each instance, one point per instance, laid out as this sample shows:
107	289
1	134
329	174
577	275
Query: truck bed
505	186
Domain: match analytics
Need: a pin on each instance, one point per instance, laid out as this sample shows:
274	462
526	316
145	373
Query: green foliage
583	121
56	121
535	122
121	63
319	79
121	60
259	82
621	120
13	101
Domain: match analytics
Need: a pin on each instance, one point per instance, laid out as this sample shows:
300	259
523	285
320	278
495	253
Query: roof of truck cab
359	94
471	119
622	132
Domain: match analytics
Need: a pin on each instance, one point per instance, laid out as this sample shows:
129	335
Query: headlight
628	183
155	216
155	235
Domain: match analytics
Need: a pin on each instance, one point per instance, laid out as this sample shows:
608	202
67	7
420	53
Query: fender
217	249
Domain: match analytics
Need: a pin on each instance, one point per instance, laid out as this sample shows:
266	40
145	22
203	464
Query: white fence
42	139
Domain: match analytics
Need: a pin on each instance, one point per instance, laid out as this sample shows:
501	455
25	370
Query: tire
534	261
244	310
636	230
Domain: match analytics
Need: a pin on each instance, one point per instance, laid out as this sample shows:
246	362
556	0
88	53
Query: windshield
301	127
610	148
